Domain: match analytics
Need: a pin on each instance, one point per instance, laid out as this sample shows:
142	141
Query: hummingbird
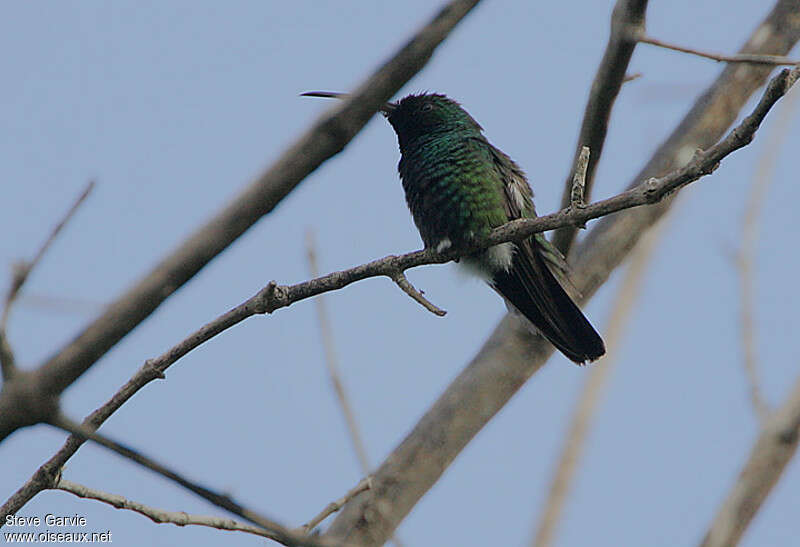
458	187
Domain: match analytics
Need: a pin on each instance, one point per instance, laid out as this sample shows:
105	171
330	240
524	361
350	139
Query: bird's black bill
386	108
324	94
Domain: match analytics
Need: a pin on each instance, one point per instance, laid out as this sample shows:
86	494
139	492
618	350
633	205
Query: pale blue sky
173	107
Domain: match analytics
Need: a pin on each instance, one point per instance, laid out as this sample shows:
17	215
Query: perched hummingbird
459	187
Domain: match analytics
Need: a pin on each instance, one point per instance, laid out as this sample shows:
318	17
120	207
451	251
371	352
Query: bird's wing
534	283
519	204
518	193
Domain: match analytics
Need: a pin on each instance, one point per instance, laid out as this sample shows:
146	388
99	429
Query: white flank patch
500	256
443	245
490	261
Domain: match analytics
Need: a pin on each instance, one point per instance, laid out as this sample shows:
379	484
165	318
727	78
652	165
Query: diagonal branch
627	22
362	486
776	60
332	365
20	275
762	179
417	295
180	518
769	456
220	500
510	356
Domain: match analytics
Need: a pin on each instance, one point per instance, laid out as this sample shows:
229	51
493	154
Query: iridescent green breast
452	188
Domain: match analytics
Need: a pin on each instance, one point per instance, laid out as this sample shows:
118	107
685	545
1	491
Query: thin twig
332	363
769	456
178	518
363	485
627	22
631	77
59	304
593	385
333	371
8	363
777	60
762	179
576	200
220	500
405	285
19	276
23	269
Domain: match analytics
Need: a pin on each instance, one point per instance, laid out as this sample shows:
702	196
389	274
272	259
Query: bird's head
427	113
414	116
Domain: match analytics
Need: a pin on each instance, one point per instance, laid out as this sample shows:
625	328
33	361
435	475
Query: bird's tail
533	290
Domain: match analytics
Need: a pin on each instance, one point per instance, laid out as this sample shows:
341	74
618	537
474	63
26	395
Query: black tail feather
532	288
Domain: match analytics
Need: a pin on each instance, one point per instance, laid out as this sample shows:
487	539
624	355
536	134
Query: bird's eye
427	107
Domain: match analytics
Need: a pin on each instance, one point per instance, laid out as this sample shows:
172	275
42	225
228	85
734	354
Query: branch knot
271	298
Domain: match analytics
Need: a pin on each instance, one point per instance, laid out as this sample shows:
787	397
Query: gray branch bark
771	453
627	22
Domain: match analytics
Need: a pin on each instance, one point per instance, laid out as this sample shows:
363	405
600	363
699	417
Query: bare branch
775	60
333	367
511	355
761	181
402	281
627	22
579	180
8	363
220	500
769	456
23	269
363	485
20	274
593	385
180	518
